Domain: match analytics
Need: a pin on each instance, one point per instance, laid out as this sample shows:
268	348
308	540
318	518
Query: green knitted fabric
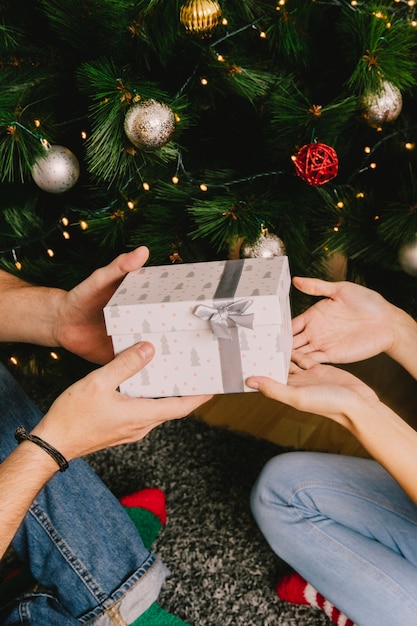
157	616
147	524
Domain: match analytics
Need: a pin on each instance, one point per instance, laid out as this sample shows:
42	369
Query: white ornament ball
407	257
149	124
385	105
266	247
57	171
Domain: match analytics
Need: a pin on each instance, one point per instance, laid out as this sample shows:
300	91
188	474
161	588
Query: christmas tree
210	129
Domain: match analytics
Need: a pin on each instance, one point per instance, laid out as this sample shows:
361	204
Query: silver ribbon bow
222	317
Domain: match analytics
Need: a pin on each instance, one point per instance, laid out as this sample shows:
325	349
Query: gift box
212	324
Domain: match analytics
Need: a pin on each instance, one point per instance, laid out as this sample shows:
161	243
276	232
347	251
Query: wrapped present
212	324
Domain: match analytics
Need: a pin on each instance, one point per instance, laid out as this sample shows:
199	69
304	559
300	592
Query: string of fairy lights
65	223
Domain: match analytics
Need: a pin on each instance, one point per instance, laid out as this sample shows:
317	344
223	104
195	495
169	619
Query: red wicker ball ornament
316	163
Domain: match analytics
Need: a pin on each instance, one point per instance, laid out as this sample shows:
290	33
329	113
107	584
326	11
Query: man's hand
92	414
88	416
80	324
350	324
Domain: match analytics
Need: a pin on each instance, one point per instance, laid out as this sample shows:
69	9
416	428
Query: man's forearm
22	475
28	313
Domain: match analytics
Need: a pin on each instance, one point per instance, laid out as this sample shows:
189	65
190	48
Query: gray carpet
223	572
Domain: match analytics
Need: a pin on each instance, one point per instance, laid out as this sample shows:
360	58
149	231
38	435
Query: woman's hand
350	324
315	388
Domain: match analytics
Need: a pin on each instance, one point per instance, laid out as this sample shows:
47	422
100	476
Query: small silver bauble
56	171
149	124
385	105
407	257
266	246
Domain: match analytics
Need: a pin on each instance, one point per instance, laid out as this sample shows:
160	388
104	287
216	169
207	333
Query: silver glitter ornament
56	171
149	124
266	247
385	105
407	257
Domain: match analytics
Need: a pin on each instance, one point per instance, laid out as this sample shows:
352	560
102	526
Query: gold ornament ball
407	257
267	246
149	124
384	105
200	17
56	171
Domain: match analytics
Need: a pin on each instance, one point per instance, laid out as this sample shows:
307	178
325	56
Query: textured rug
222	571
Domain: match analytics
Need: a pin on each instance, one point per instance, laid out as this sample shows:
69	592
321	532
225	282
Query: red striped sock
293	588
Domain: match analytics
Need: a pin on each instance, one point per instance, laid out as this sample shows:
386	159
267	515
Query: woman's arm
404	346
389	440
340	396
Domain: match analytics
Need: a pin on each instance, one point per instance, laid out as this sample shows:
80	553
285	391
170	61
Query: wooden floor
255	414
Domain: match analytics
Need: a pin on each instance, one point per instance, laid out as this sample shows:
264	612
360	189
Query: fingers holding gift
300	360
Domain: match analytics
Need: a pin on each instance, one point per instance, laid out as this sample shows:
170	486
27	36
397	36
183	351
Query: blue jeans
347	527
78	542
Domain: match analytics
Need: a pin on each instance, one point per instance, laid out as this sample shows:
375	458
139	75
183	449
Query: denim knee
269	491
272	497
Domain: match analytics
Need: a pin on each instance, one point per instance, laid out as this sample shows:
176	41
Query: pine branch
296	117
222	220
379	48
287	30
91	28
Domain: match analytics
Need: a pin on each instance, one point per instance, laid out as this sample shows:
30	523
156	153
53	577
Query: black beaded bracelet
21	435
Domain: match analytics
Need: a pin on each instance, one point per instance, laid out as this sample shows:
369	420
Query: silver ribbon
221	318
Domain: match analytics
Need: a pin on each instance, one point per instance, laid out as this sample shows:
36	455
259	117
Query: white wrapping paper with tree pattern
212	324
